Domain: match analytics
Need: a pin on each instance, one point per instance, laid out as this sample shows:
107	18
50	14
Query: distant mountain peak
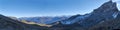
106	11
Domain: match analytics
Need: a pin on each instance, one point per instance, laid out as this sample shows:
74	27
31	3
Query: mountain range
43	20
105	17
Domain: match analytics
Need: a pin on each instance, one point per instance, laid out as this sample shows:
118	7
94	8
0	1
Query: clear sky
28	8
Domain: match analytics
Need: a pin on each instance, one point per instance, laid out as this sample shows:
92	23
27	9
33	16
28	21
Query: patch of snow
79	18
115	15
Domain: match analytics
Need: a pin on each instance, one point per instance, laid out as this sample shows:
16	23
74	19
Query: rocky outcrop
108	11
108	25
104	15
9	24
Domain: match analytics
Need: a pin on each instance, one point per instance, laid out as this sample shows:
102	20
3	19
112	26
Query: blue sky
29	8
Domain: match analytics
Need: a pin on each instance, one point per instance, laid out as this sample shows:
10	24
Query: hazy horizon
31	8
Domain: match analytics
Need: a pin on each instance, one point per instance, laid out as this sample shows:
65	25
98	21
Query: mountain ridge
106	17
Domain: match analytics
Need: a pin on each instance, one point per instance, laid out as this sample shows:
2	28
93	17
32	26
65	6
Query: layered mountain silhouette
106	17
43	20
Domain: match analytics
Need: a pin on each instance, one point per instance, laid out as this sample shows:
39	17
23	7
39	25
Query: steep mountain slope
7	23
104	15
108	11
74	19
108	25
105	12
